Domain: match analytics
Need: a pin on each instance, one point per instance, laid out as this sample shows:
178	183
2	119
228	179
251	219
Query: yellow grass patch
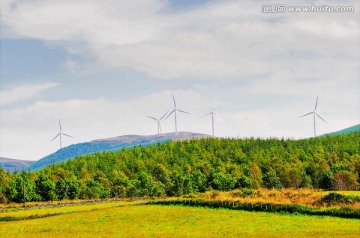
309	197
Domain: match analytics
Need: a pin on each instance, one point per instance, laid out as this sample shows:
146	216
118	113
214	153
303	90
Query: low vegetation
306	197
45	209
302	201
98	220
279	213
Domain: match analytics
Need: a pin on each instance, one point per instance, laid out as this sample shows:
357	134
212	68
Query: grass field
19	214
119	220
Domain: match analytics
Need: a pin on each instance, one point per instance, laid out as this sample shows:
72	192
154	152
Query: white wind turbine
60	134
212	113
158	122
174	111
315	114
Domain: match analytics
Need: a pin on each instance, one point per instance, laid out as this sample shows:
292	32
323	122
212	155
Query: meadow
161	218
136	220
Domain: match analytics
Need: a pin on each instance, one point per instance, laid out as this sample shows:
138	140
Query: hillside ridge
347	130
14	164
111	144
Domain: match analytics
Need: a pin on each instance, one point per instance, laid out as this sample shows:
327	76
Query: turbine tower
174	111
212	113
60	135
158	122
315	114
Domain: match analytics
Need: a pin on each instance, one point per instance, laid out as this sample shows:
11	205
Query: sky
102	67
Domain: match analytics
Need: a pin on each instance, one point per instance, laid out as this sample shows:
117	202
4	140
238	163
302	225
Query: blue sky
102	67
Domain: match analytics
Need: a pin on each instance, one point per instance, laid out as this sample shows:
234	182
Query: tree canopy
190	166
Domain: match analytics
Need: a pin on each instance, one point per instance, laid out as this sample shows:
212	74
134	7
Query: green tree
327	180
46	188
345	180
221	181
67	189
271	180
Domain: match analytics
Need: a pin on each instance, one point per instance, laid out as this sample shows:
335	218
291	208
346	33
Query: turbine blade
206	115
170	114
59	124
67	135
182	111
163	116
55	137
306	114
317	97
174	100
152	118
320	117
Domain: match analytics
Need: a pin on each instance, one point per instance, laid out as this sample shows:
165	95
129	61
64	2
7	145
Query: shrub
247	192
335	198
271	180
345	180
222	181
243	182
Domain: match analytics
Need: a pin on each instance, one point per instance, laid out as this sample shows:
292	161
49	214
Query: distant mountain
14	164
348	130
110	144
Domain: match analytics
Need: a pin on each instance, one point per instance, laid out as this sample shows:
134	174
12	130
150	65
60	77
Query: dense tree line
185	167
80	149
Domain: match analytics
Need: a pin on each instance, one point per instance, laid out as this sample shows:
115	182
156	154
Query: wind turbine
174	111
158	122
212	113
315	114
60	134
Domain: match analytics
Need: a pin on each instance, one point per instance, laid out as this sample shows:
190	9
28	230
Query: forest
191	166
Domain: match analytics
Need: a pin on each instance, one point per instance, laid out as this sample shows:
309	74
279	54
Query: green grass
348	193
282	208
178	221
18	213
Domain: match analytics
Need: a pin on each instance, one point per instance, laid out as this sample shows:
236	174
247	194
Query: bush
345	180
271	180
335	198
247	192
221	181
243	182
327	181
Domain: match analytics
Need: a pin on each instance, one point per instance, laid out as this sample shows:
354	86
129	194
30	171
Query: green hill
184	167
348	130
109	144
126	141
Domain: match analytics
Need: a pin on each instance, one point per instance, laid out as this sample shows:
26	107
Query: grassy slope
17	213
179	221
348	130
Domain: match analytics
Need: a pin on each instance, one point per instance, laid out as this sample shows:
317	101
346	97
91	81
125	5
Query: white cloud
82	20
288	58
222	38
24	92
329	27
